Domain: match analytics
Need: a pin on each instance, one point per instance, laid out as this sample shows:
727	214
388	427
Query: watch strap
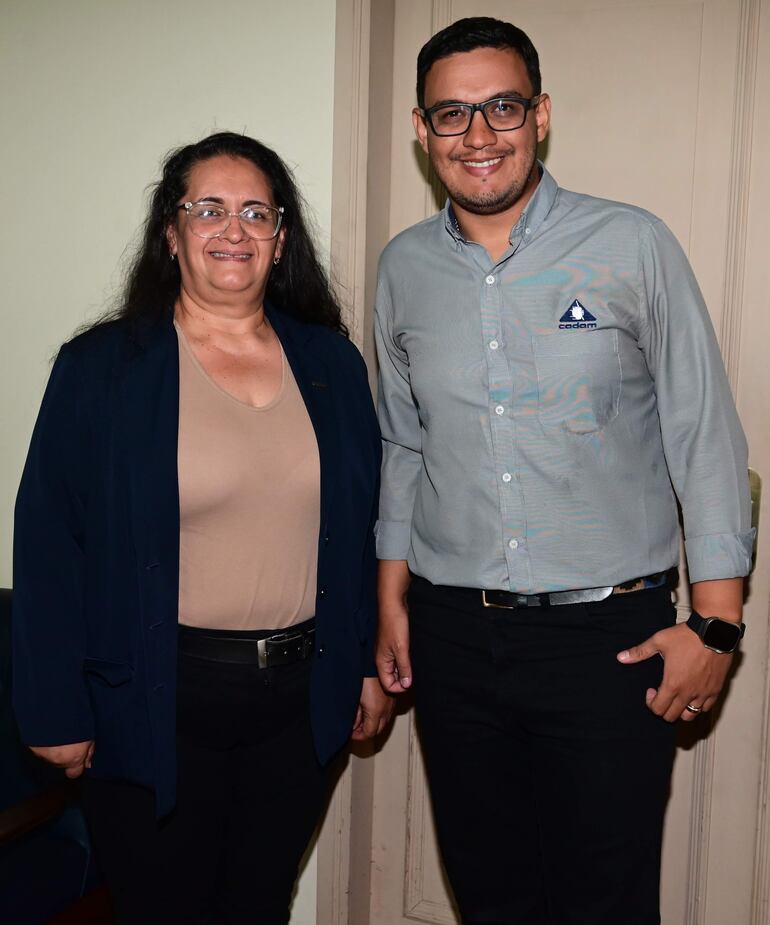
699	624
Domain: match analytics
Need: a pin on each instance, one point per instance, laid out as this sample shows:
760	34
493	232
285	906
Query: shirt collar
533	216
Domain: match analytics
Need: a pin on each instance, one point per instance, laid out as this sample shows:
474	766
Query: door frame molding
729	336
740	181
348	259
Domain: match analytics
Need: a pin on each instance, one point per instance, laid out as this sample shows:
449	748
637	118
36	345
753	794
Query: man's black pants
250	791
548	773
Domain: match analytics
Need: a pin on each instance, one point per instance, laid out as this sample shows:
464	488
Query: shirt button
489	280
506	476
322	592
493	345
527	231
499	410
514	544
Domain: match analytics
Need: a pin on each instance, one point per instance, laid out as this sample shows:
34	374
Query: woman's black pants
548	774
250	791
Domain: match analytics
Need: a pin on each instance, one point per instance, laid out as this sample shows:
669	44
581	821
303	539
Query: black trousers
548	774
250	791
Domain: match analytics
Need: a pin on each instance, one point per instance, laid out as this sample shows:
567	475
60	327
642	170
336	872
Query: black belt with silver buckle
293	645
510	600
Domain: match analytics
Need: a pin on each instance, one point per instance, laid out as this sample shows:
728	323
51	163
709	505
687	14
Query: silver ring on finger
693	709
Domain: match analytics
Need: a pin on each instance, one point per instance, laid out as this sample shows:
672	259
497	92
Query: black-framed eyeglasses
502	114
210	219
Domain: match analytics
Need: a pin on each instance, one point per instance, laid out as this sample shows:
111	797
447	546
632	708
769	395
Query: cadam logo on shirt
577	316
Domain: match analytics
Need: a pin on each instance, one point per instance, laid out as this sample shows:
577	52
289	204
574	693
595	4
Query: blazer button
320	652
322	592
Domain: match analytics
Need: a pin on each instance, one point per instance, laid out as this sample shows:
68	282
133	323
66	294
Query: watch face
721	635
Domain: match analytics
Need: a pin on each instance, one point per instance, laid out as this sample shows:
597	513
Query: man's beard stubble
492	202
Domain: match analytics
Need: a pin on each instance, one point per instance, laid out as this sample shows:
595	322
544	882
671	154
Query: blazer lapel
150	416
302	347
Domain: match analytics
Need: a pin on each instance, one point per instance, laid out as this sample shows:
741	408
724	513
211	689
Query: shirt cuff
719	555
393	539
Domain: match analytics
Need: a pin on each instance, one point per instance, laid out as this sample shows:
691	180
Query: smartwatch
720	636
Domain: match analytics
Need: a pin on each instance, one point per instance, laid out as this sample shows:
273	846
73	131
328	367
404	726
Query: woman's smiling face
231	268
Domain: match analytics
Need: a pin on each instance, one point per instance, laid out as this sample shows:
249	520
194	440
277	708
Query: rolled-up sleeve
703	442
401	438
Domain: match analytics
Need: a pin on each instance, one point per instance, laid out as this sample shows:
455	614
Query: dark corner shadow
437	188
429	176
421	158
748	580
543	148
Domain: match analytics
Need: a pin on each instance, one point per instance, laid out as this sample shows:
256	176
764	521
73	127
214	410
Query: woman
194	598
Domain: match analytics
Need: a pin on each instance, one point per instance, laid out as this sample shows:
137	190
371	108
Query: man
548	372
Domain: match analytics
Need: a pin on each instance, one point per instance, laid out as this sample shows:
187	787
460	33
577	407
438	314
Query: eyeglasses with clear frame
502	114
210	220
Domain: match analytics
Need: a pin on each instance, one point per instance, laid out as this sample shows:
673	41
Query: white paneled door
662	103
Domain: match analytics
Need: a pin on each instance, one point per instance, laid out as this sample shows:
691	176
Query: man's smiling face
485	172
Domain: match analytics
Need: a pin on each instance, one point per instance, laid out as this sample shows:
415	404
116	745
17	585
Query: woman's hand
374	711
73	759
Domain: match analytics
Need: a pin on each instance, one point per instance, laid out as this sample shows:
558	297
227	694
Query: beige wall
94	92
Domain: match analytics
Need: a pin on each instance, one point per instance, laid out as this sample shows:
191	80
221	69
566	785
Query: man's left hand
374	711
692	674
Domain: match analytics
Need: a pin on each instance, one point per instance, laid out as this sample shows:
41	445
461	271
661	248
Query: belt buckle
487	603
286	639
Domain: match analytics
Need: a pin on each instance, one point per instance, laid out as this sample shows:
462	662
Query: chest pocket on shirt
578	379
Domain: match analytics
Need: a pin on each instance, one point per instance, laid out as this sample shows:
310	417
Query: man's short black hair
476	32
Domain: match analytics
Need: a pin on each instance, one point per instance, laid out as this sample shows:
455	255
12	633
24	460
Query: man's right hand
73	759
392	652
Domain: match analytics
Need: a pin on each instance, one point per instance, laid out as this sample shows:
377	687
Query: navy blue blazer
96	547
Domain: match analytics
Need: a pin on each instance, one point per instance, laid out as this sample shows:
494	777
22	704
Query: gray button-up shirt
537	411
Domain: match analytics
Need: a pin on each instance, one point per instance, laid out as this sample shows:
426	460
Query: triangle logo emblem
577	316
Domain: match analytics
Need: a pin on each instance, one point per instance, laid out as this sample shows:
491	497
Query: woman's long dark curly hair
298	286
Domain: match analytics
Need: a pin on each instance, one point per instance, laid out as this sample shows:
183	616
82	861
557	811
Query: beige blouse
249	494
